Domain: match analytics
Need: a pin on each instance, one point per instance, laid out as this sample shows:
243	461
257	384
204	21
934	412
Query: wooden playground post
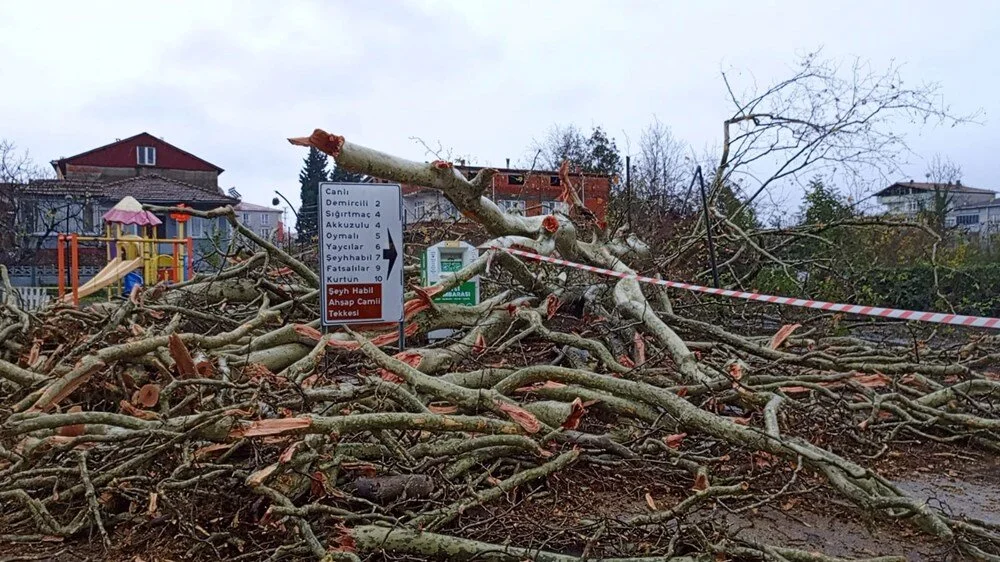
61	259
177	264
107	252
74	269
190	258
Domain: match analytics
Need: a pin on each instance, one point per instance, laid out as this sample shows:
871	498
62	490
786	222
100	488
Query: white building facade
911	198
264	221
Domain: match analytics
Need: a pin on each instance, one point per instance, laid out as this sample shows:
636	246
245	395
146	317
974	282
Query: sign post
361	253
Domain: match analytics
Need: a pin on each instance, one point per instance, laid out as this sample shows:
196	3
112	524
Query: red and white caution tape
911	315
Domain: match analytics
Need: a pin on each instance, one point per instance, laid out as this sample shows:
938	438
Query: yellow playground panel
126	252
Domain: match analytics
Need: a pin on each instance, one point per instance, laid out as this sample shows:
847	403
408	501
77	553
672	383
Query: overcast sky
230	81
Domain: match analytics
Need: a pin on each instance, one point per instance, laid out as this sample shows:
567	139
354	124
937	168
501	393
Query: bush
973	289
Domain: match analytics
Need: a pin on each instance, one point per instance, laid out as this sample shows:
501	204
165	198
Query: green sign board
443	259
464	293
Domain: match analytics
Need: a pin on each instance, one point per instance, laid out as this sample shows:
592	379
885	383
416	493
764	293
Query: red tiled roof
156	188
63	187
151	188
56	188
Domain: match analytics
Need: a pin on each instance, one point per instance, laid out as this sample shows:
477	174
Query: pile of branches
567	418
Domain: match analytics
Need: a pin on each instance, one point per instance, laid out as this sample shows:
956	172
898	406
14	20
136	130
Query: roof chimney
958	183
508	163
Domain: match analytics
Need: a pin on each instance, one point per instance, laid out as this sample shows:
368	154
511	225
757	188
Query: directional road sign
361	252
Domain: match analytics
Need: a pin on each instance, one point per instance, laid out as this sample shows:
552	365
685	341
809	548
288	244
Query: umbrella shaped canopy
130	211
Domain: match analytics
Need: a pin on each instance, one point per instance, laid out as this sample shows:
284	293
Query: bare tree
561	143
661	172
26	221
16	169
841	121
945	175
597	153
17	166
942	169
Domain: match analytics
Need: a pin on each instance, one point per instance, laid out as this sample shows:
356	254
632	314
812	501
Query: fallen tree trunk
217	408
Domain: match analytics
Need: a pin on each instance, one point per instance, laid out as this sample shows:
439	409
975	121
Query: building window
161	229
554	181
146	155
551	207
515	179
246	218
196	227
419	210
88	217
913	205
512	205
966	220
448	210
29	214
265	233
265	218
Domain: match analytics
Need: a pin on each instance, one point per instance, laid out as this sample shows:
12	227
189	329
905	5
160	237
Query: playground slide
115	270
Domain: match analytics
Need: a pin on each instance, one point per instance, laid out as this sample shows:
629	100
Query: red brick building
528	192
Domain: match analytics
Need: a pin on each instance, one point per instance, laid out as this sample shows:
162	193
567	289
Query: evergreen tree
596	154
602	154
342	175
313	172
823	204
564	143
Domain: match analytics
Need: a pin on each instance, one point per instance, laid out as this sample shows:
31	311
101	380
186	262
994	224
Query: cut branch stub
261	428
321	141
182	357
148	396
520	416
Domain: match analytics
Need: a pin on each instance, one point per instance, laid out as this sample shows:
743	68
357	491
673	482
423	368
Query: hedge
971	290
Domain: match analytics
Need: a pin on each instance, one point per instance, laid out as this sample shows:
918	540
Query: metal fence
28	298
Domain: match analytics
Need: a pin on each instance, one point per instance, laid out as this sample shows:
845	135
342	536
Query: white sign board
443	260
361	253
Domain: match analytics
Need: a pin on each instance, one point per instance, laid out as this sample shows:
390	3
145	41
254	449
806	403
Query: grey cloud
230	80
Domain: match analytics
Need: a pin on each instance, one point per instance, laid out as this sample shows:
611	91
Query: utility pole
628	189
708	225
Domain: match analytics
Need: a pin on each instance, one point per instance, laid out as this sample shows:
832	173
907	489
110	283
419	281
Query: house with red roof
88	184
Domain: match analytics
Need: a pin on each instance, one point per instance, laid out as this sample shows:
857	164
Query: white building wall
263	223
912	204
982	220
427	206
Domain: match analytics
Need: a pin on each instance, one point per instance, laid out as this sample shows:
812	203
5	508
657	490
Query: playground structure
126	252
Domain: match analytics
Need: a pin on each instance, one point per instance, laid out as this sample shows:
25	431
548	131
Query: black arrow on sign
389	253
